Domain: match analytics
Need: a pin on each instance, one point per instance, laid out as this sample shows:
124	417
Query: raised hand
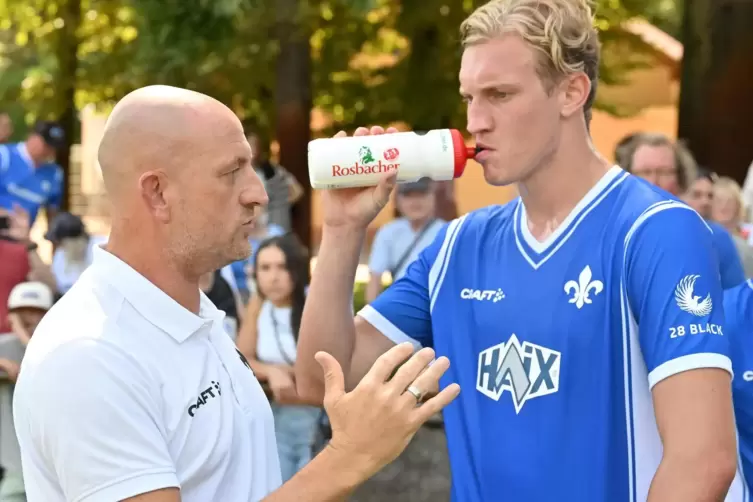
357	207
374	423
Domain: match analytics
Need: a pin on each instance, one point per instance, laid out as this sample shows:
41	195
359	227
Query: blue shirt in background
391	242
26	185
557	344
730	264
738	311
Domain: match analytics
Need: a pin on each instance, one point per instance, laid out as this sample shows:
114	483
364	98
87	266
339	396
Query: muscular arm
695	419
327	322
675	294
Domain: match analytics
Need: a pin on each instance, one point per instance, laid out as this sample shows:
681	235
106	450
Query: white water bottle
360	161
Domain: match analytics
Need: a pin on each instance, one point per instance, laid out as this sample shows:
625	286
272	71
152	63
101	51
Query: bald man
130	388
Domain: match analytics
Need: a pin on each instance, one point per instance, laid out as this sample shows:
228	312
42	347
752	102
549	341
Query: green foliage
374	61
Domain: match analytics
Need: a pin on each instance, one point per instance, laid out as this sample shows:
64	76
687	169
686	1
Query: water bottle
360	161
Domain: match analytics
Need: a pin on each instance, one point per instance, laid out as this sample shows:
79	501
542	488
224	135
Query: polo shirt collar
155	305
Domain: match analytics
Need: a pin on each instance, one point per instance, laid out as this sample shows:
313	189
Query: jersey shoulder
638	201
738	306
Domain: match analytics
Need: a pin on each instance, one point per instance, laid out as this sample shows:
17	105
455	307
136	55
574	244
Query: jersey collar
24	153
151	302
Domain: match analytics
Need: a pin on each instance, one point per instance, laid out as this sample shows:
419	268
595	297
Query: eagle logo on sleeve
688	301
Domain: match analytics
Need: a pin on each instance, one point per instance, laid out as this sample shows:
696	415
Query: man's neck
417	225
156	266
551	193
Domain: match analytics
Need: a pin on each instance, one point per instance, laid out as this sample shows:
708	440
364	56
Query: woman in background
268	339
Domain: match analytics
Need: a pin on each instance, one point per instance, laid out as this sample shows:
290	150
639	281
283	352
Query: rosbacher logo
366	164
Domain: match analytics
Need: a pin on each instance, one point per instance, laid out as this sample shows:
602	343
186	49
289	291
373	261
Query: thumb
334	380
384	189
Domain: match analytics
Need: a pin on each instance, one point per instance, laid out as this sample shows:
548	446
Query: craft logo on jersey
688	301
482	294
525	370
582	289
366	164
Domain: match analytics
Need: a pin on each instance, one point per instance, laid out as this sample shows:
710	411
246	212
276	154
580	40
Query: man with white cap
28	302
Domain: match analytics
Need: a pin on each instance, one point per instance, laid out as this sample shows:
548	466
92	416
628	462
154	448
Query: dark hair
296	263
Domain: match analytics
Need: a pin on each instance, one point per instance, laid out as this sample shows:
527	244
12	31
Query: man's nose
479	119
254	194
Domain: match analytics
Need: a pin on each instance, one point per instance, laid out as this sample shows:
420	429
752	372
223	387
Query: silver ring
416	392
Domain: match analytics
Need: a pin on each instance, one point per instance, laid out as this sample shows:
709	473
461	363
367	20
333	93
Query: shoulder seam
439	267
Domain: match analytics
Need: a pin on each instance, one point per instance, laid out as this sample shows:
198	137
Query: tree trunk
67	56
293	98
716	101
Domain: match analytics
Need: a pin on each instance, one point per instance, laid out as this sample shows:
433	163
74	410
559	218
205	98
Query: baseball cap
30	295
51	132
421	186
65	226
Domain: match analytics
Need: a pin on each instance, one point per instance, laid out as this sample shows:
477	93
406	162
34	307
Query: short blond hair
561	31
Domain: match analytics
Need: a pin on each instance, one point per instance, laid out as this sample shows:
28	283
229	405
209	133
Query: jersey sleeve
403	311
674	292
97	423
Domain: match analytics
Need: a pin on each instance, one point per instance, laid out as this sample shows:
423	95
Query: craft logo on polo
525	370
367	164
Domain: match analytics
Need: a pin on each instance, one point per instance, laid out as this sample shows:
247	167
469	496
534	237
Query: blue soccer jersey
26	185
557	344
738	311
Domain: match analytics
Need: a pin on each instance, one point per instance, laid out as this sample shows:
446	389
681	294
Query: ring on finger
416	393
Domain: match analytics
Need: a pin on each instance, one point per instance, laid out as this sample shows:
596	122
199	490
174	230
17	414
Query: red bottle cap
462	152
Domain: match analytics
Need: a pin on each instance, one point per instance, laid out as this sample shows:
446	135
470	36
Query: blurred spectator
29	176
6	127
27	304
748	193
701	192
268	339
222	296
19	260
282	187
74	248
671	167
237	274
398	243
727	209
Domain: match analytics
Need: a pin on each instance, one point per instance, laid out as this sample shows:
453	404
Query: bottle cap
462	152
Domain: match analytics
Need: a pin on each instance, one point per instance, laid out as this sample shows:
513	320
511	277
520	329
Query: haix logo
525	370
482	294
582	289
204	397
688	301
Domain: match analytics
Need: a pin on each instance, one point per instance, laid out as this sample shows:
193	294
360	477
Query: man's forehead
500	60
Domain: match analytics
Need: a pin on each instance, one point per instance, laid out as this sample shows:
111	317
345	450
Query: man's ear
574	91
153	185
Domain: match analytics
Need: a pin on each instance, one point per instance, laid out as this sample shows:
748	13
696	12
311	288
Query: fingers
428	379
341	134
361	131
436	404
391	130
368	131
409	371
334	380
384	189
386	364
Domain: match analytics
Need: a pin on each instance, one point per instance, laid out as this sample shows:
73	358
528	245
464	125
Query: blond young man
582	319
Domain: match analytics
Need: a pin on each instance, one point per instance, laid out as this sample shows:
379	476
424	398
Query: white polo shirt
123	391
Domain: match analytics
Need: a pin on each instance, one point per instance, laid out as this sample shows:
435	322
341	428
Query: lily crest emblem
688	301
582	289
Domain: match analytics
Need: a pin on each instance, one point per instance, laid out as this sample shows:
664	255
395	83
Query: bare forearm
327	322
325	479
39	271
700	481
